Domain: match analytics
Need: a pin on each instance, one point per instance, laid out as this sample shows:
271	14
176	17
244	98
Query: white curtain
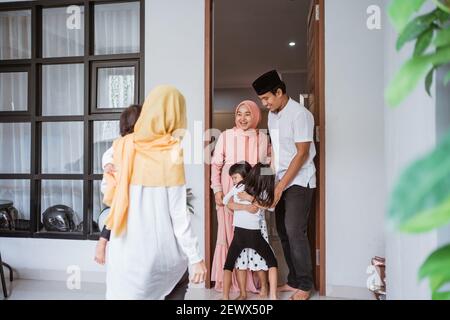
15	34
117	28
13	91
61	36
15	141
115	87
63	89
17	191
62	147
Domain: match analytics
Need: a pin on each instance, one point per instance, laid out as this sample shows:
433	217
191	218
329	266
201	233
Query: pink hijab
254	110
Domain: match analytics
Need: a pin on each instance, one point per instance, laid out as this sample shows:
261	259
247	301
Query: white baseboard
346	292
56	275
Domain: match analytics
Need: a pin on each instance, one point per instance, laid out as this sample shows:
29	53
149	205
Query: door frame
208	51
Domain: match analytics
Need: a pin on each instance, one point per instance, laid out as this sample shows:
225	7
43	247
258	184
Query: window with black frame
67	70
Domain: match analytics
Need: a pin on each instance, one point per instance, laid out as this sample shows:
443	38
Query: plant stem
441	6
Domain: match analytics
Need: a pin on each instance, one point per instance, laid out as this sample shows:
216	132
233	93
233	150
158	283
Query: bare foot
263	292
241	297
286	288
301	295
273	297
226	298
100	252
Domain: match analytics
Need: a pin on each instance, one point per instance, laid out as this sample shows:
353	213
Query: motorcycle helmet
8	215
59	218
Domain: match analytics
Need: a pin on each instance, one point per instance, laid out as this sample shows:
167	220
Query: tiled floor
57	290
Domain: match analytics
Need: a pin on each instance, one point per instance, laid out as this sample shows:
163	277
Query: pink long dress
233	145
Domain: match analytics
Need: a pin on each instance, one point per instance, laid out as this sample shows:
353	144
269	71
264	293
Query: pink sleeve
217	162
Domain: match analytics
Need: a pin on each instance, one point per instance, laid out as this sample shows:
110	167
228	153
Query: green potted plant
420	201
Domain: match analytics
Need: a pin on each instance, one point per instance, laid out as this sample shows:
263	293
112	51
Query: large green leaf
429	81
442	38
442	16
441	295
401	10
406	79
437	269
420	200
424	41
447	78
415	28
443	5
411	72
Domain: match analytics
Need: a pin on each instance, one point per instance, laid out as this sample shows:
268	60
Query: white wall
174	54
171	57
355	171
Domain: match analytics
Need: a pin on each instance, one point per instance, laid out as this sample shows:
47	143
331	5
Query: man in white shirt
291	128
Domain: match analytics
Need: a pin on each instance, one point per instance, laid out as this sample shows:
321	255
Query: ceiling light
292	44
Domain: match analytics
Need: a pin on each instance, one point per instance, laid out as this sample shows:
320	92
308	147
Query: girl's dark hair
260	183
128	119
242	168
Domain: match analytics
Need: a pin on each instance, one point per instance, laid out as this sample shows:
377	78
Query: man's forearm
294	167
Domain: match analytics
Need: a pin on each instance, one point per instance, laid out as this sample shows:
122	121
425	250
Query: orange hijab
151	156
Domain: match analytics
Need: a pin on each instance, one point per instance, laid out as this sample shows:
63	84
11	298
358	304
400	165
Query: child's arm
245	196
107	161
106	233
244	207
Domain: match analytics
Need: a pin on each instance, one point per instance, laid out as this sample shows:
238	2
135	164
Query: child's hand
100	251
109	168
252	209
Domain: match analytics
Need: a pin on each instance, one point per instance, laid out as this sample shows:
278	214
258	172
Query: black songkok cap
266	82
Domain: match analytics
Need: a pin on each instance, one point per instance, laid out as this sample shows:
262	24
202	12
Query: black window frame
96	65
91	114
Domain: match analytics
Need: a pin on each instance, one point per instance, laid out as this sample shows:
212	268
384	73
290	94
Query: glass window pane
98	216
15	194
61	205
117	28
15	34
62	89
63	31
105	132
115	87
14	91
15	141
62	147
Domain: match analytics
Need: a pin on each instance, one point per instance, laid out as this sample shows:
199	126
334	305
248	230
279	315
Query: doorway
242	43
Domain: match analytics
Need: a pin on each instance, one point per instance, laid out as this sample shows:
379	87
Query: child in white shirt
260	184
127	121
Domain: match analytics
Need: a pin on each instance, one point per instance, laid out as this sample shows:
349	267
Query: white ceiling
252	36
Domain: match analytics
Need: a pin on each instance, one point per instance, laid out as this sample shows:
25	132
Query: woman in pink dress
244	142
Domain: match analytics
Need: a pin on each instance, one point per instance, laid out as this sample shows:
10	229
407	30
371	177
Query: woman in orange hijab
244	142
151	243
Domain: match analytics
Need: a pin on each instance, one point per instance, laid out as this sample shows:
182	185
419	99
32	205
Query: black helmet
8	215
59	218
6	222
